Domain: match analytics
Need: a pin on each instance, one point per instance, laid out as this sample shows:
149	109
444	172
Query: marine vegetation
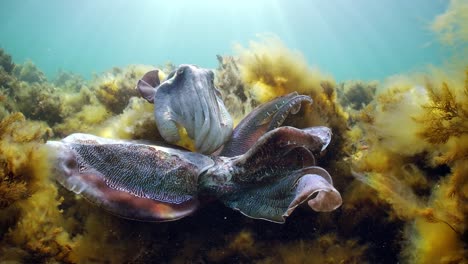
450	26
237	99
420	170
356	94
5	62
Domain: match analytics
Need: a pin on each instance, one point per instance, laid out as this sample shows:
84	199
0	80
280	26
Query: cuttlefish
260	168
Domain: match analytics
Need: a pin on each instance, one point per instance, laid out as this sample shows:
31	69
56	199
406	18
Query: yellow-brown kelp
6	80
355	95
269	69
115	88
413	152
135	122
32	95
451	26
438	236
108	95
35	223
6	62
237	99
31	221
416	151
34	227
69	104
14	166
328	248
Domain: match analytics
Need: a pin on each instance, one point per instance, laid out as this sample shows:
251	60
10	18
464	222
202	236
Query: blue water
358	39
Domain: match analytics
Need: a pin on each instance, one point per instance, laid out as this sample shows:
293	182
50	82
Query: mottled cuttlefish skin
134	181
188	99
152	183
262	169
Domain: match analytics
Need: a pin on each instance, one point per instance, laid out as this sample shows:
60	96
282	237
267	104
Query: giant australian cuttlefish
261	168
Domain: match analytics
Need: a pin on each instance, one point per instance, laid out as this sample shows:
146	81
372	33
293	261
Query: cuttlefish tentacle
314	181
262	119
131	180
268	183
147	85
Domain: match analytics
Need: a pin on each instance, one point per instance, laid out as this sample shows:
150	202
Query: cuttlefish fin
262	119
147	85
276	175
129	179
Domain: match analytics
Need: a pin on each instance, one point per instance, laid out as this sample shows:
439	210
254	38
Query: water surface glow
360	39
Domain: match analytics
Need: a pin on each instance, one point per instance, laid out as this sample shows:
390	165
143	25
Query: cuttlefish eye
180	71
170	76
212	75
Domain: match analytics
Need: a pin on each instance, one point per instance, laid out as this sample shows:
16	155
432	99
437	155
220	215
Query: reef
398	155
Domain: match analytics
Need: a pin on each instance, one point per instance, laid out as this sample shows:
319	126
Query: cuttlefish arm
275	176
262	119
147	85
131	180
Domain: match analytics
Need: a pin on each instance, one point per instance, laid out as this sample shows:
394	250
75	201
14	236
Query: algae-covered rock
69	82
29	72
237	99
6	62
38	101
356	94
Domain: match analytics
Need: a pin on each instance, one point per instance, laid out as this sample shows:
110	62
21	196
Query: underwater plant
233	92
135	122
28	72
68	81
6	62
328	248
269	69
36	224
26	90
115	88
356	94
417	170
446	113
28	224
450	26
38	101
12	186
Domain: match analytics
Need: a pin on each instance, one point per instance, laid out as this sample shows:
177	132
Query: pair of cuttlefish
261	168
